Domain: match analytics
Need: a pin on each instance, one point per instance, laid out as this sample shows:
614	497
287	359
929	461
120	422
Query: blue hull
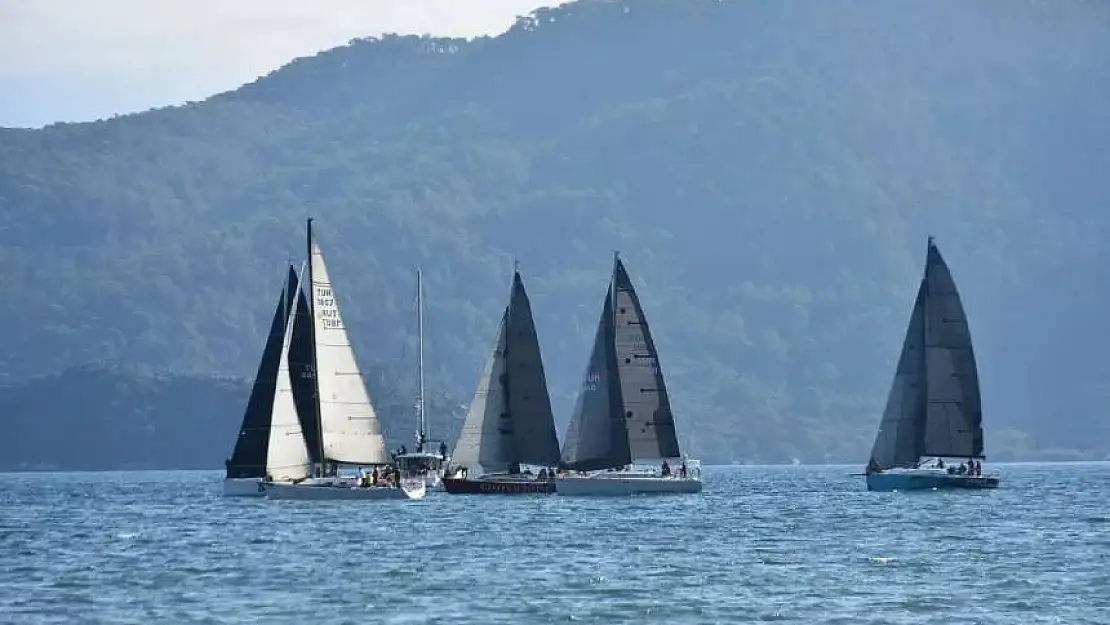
886	482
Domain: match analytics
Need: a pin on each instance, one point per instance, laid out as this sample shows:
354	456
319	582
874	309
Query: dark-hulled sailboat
510	423
623	415
934	409
277	432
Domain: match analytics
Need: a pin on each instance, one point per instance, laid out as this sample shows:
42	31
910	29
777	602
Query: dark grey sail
529	404
934	407
597	437
510	421
623	413
303	377
954	412
900	437
248	460
647	406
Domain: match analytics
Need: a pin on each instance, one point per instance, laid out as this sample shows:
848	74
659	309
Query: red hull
458	486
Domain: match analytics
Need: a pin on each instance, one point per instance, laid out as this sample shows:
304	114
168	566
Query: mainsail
954	412
510	420
623	413
934	406
349	427
248	460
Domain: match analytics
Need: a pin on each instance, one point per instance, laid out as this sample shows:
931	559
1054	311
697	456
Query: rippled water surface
791	545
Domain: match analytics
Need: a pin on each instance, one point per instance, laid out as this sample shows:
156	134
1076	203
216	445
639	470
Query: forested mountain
768	170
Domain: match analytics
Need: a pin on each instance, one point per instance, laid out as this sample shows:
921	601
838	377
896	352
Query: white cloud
143	53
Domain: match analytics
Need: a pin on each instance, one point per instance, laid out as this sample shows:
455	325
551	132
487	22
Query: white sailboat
350	435
271	444
428	461
622	438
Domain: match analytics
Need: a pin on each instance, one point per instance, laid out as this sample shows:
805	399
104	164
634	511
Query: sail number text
327	312
592	380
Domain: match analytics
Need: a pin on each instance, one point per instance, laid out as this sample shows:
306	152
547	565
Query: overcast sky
75	60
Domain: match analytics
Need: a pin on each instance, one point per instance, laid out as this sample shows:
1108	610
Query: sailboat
424	461
509	423
350	435
623	415
272	443
934	410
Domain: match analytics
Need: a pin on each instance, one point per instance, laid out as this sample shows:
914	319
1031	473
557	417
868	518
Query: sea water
788	545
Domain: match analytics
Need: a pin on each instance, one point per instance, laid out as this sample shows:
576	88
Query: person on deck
666	469
682	469
443	450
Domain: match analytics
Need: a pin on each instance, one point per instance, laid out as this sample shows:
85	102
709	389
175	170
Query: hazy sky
72	60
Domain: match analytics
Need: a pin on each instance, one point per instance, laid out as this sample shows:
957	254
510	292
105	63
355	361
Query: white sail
482	438
350	428
287	457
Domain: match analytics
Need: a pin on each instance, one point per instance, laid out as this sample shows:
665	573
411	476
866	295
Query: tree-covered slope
100	416
769	172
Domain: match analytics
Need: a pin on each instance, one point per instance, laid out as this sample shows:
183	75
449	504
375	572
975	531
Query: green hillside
769	172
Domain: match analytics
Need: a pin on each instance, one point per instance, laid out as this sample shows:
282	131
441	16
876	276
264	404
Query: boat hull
243	487
334	492
462	486
928	480
606	486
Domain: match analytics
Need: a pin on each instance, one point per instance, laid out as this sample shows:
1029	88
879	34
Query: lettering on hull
479	486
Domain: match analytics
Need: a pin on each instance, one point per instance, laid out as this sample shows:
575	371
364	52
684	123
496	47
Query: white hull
307	491
243	487
616	484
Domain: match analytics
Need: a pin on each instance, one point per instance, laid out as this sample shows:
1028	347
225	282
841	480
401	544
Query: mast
312	340
613	287
420	351
506	392
921	421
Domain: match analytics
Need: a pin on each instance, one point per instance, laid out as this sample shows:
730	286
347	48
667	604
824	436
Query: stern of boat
243	487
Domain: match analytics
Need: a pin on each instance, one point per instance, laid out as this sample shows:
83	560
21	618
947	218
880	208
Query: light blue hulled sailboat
931	434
